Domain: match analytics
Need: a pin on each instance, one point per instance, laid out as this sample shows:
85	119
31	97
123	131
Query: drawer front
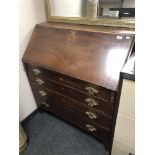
86	87
70	116
102	105
84	111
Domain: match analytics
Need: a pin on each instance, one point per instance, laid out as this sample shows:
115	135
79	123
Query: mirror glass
93	8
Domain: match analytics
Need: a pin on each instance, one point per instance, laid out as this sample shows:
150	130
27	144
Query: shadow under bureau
74	73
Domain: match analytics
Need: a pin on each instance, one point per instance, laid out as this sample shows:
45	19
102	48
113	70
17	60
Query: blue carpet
48	135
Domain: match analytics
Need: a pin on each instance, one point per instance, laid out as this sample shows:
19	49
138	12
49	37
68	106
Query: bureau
73	71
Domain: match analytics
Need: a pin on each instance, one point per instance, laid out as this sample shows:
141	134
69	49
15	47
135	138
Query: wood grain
70	58
93	57
69	116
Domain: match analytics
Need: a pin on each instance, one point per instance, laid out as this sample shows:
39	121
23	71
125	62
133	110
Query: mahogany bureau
74	72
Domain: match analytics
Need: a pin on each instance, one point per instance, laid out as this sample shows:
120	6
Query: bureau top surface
92	55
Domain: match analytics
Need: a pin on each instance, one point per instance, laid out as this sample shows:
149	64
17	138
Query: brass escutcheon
91	90
91	102
39	81
73	34
91	115
42	93
91	127
36	71
45	104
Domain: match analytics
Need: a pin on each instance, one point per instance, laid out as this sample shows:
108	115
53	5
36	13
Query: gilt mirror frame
116	23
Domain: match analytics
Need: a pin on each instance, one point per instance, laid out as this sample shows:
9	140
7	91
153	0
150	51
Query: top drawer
86	87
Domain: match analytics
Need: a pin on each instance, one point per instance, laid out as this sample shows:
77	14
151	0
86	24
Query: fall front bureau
74	72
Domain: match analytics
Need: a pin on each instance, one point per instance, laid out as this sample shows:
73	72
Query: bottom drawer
68	115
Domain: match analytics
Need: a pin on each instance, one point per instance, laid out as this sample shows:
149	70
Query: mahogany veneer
74	72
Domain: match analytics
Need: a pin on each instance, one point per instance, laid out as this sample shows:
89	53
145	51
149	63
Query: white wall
31	13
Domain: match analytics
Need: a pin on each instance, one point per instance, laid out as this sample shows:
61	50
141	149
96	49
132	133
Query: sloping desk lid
90	54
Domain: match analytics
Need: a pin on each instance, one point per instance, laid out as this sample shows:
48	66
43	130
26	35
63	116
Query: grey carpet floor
48	135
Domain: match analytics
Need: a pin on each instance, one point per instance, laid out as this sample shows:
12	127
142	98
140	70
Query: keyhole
62	88
73	34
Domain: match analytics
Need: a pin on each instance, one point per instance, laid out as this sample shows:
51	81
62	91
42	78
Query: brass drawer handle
91	90
91	127
36	71
45	104
42	93
91	115
39	81
91	102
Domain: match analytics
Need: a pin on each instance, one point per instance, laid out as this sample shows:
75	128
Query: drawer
70	116
86	99
84	111
89	88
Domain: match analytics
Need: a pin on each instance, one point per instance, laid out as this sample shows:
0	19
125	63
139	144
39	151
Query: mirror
117	13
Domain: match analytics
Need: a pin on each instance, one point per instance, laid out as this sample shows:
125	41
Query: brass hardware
45	104
72	33
39	81
42	93
91	115
36	71
91	102
91	90
91	127
61	79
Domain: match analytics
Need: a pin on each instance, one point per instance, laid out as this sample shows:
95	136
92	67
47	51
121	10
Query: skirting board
29	117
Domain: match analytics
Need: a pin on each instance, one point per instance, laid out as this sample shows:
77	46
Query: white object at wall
31	13
124	137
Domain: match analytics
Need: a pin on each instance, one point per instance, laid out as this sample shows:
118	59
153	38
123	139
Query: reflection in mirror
73	8
117	8
93	8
